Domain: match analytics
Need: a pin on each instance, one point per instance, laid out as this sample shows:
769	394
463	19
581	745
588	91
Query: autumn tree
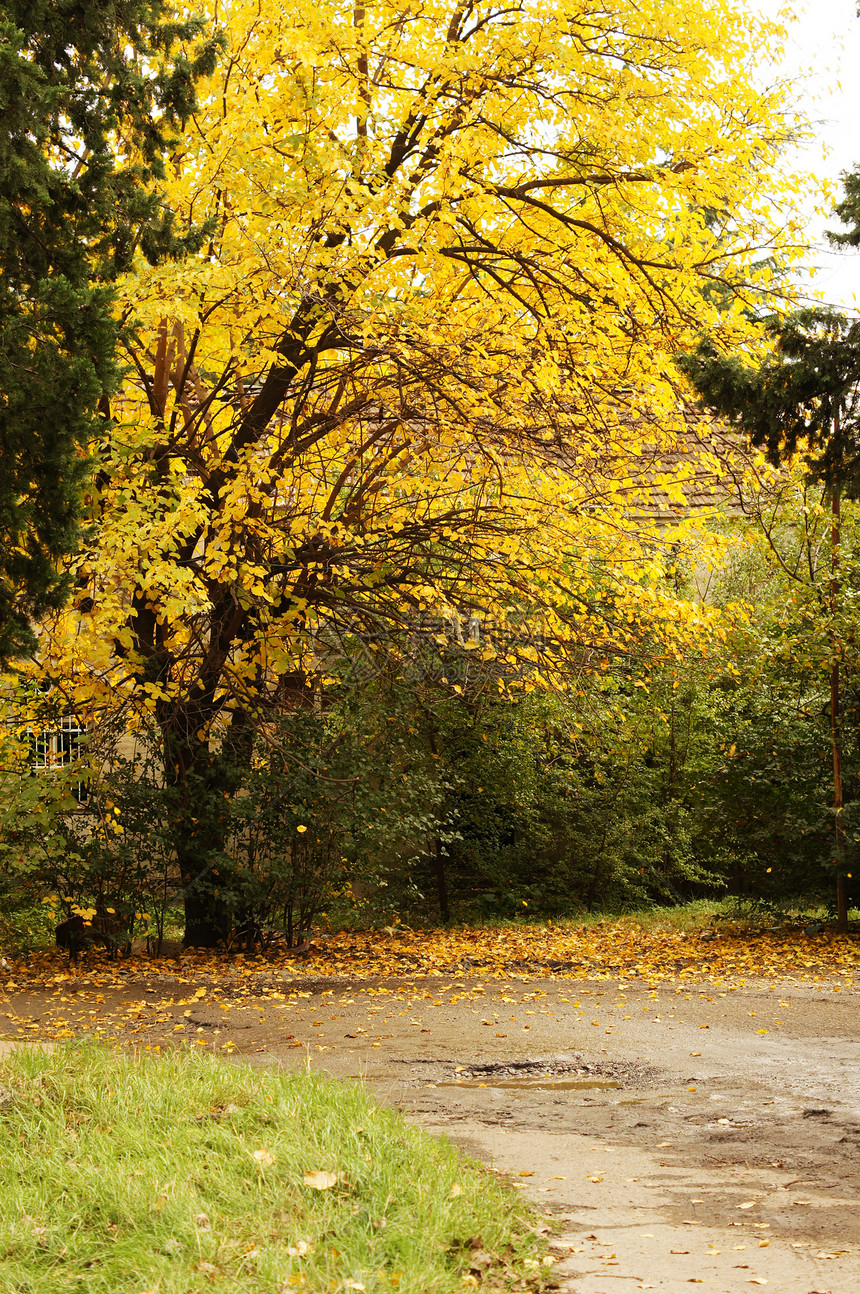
90	96
420	378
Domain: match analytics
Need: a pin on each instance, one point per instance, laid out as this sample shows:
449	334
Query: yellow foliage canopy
423	362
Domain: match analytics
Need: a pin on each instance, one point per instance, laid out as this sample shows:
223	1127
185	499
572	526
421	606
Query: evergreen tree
805	395
90	94
801	398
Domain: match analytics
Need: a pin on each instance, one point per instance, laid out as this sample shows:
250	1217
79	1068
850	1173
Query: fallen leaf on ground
320	1180
619	949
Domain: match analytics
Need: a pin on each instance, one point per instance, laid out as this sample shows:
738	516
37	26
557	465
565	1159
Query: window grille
53	748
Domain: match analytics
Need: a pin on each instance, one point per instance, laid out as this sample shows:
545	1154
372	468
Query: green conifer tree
91	93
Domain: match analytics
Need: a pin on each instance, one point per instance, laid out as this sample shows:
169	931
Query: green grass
731	912
183	1173
736	913
698	913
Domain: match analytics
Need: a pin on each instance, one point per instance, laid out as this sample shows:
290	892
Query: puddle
541	1084
546	1074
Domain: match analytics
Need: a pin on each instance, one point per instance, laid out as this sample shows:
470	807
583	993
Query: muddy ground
673	1136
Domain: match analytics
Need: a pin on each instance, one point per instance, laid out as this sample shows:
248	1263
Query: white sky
824	43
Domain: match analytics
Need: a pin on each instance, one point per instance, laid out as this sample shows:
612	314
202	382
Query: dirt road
675	1136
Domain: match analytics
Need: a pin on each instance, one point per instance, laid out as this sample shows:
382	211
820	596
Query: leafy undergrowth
624	948
186	1173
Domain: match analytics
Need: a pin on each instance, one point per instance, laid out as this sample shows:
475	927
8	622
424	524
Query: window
53	748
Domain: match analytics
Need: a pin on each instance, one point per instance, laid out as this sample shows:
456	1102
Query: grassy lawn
185	1173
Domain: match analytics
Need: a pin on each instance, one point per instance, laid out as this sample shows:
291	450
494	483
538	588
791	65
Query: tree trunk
199	839
836	726
201	783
